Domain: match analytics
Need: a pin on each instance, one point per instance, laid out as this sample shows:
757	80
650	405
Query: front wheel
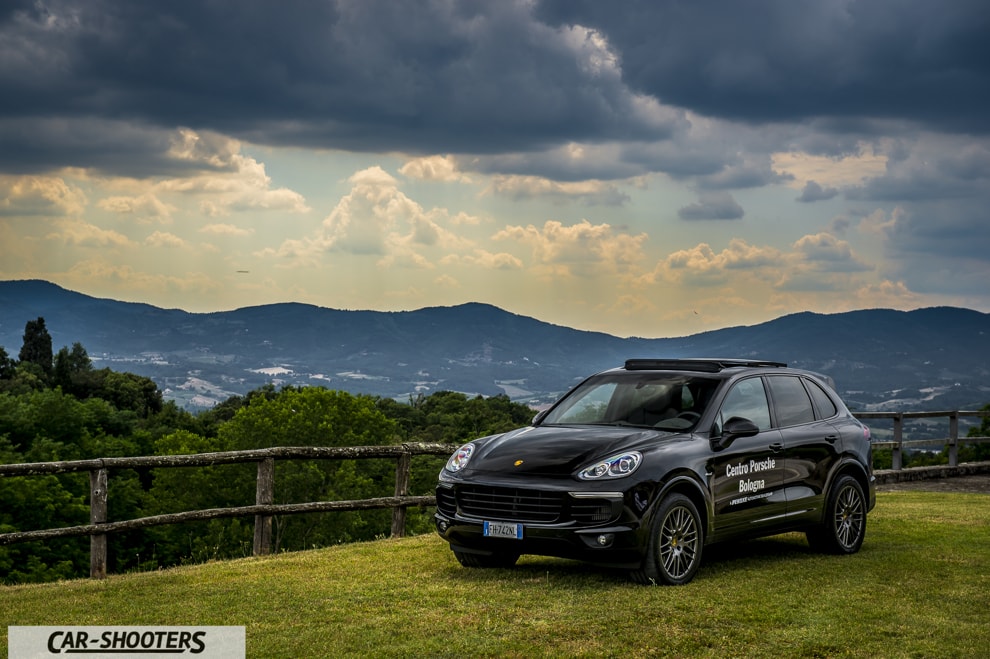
676	540
844	526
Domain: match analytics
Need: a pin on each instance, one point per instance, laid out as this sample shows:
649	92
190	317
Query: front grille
510	504
446	503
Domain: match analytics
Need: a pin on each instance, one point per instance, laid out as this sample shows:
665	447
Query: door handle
776	447
831	439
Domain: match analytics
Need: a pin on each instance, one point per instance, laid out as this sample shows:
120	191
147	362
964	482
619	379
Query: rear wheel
676	540
468	559
844	526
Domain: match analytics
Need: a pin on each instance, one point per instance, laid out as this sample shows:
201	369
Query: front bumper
614	541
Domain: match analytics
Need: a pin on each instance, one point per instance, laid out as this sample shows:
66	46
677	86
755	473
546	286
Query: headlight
616	466
460	459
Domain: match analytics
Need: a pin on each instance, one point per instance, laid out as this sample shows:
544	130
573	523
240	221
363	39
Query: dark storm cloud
374	75
712	206
33	145
772	60
102	83
814	192
933	169
940	246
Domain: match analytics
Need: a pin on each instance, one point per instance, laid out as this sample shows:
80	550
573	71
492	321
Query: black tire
676	540
844	525
486	560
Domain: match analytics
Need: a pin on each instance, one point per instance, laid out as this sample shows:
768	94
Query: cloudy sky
648	168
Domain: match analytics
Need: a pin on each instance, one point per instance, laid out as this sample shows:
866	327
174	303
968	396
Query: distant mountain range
934	359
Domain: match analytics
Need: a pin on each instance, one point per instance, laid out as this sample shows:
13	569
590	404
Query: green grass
920	587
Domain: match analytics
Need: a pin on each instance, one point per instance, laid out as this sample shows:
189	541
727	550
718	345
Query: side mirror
734	428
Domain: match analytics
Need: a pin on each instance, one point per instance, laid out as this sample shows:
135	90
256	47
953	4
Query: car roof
726	367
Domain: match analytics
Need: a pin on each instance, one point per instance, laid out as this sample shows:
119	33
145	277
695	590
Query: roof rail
702	364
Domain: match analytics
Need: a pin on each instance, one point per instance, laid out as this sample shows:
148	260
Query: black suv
641	467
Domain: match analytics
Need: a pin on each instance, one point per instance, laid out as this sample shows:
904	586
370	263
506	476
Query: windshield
653	400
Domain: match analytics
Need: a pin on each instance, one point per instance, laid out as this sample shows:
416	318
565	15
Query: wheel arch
850	467
688	485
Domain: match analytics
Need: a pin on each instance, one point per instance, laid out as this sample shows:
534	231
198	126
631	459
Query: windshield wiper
621	423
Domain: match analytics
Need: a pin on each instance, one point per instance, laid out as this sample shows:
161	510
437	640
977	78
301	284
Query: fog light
442	525
605	539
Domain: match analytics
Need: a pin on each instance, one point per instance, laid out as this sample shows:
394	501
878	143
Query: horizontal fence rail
265	509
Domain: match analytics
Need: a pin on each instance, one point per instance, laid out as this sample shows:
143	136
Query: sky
641	168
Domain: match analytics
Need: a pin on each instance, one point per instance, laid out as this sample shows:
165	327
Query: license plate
503	530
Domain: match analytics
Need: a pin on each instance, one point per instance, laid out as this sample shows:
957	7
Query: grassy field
920	587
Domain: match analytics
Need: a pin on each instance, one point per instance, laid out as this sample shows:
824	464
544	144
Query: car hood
555	450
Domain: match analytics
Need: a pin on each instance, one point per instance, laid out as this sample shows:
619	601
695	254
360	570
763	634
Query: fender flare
694	487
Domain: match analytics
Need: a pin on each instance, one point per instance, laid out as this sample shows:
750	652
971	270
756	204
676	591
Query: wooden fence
898	443
264	509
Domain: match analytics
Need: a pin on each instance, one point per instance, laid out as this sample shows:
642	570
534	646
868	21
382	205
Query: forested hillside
56	406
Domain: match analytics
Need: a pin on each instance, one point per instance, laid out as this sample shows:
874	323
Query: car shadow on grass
717	560
747	553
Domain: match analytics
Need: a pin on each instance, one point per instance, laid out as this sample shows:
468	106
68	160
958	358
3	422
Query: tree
7	365
313	416
29	503
71	368
126	391
37	348
199	488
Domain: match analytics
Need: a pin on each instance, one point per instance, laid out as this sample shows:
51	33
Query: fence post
895	454
264	496
402	469
953	438
98	515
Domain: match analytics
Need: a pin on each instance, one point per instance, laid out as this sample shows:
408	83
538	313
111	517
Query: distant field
920	587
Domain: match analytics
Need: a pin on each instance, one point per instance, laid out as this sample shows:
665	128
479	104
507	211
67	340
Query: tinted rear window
790	401
826	408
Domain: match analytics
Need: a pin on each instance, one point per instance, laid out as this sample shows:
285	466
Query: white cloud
226	230
446	281
376	219
372	210
434	168
145	207
84	234
814	262
165	239
40	195
583	248
701	265
825	252
587	191
229	181
830	172
484	259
